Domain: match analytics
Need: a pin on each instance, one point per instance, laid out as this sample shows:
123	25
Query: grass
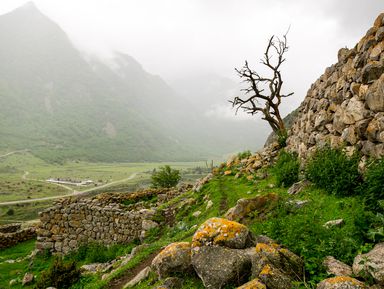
9	271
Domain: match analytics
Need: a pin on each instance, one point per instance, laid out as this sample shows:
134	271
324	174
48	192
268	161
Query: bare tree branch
259	101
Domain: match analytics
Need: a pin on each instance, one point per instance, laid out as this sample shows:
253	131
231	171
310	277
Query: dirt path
130	274
14	152
74	193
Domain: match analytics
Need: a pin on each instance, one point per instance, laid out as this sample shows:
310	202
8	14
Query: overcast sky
176	38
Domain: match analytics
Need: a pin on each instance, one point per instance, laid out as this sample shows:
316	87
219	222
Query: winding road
74	193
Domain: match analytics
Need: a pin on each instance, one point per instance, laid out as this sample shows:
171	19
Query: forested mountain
61	104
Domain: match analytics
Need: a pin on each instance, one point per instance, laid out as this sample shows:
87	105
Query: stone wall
108	219
12	234
10	228
345	106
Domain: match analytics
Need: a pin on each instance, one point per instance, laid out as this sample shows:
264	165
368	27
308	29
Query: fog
177	39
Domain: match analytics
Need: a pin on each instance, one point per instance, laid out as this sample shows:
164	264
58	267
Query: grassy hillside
299	229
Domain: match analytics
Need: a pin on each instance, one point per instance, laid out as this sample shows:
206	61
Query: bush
332	170
166	177
244	155
60	275
286	169
373	186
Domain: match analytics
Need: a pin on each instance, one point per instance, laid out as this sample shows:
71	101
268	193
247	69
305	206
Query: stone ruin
13	234
113	218
345	106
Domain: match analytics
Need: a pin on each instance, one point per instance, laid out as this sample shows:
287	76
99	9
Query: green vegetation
98	253
16	270
332	170
373	186
60	274
286	169
166	177
299	228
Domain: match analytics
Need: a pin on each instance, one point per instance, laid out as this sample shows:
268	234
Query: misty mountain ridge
62	104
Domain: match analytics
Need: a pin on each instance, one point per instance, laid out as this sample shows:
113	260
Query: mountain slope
63	105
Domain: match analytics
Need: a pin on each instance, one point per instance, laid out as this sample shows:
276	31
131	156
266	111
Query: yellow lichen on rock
267	270
218	231
254	284
342	279
226	173
176	257
269	248
340	282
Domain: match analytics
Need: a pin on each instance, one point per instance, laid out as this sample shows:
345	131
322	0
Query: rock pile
346	104
224	252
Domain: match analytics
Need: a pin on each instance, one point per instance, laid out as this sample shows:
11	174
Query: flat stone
334	223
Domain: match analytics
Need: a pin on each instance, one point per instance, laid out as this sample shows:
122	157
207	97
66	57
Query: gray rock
334	223
148	225
336	267
244	207
27	279
171	283
217	266
371	264
221	232
142	275
298	187
374	97
341	282
196	214
176	257
372	71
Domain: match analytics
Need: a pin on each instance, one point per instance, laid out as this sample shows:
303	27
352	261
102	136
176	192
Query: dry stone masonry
108	219
13	234
345	106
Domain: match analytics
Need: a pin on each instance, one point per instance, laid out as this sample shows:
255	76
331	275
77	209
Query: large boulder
275	266
341	282
222	232
371	264
217	266
244	207
176	257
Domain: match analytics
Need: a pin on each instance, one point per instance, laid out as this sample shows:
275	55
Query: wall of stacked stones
345	106
12	234
67	225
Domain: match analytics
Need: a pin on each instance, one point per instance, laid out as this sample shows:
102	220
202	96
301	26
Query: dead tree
263	94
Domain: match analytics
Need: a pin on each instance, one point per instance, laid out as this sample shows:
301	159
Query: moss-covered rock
253	284
341	282
221	232
176	257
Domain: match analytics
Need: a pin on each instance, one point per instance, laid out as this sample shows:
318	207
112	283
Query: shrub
373	187
282	138
10	212
60	275
286	169
166	177
244	155
332	170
